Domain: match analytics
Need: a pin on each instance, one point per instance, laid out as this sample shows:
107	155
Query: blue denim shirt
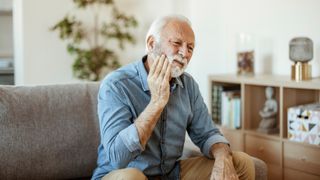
123	95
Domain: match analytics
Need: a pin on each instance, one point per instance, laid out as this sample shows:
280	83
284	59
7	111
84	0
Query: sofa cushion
49	131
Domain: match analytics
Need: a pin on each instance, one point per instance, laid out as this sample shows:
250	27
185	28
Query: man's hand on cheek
158	81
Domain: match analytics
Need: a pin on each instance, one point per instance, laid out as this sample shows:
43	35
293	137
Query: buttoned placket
162	140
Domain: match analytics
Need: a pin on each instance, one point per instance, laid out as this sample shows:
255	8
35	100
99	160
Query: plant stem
95	29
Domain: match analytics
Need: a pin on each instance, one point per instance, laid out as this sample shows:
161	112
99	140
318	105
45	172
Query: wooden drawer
274	172
290	174
265	149
235	138
302	157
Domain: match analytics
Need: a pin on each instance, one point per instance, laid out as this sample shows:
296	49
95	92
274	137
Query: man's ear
151	41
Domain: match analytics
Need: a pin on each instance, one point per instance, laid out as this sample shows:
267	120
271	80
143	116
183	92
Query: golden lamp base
301	71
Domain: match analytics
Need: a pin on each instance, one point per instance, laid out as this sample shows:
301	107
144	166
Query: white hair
159	23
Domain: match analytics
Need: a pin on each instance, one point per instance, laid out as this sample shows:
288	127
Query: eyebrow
191	44
177	39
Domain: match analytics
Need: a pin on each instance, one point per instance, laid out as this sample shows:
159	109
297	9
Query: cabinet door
302	157
267	150
274	172
290	174
235	138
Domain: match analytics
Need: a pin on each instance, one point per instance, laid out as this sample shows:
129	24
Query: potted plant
90	45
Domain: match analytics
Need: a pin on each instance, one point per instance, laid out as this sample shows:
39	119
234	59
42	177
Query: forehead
178	30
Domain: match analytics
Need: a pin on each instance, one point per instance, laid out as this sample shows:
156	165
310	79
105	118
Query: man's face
177	43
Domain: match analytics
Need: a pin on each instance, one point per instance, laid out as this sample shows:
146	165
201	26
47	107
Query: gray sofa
52	132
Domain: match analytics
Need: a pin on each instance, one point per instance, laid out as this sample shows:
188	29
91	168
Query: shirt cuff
213	140
130	138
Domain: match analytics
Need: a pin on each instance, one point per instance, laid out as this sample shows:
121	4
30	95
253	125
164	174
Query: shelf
5	12
263	135
285	140
294	97
6	55
228	129
267	80
254	100
223	96
275	149
6	70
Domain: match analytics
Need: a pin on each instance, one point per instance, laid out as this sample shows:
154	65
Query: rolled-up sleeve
119	135
201	128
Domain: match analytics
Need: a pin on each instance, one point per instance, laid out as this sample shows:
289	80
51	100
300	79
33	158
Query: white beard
176	71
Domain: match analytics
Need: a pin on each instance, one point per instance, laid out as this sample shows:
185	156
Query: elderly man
146	107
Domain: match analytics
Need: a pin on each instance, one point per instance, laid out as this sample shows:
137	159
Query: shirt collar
177	81
144	75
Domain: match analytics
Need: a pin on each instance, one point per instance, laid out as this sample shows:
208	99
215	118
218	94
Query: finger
164	67
159	66
154	64
168	72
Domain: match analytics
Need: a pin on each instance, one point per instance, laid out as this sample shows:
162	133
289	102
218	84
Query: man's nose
183	51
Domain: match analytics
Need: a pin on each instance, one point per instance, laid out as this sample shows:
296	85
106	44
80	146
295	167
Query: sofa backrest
49	131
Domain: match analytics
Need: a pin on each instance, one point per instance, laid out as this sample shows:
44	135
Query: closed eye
176	43
190	49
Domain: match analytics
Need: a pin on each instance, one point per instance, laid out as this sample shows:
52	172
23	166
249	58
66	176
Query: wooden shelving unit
285	159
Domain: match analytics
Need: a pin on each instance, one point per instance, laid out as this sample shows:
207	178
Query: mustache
179	62
179	59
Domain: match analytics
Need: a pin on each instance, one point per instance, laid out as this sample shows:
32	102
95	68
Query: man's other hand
223	168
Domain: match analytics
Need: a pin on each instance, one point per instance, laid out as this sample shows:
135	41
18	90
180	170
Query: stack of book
226	105
216	103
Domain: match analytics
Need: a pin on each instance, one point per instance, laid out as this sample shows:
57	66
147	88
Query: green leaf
84	42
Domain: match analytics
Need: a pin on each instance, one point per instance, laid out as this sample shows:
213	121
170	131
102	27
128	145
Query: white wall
274	23
41	57
6	35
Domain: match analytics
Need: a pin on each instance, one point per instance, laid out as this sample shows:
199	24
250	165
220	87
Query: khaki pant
193	168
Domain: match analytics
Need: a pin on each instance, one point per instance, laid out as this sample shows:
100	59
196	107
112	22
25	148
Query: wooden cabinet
290	174
235	138
303	158
267	150
285	159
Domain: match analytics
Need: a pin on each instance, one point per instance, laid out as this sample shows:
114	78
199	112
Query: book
225	105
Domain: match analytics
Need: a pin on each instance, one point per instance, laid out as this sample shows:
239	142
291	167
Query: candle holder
301	52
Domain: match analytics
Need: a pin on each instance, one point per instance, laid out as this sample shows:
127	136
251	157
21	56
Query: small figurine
268	114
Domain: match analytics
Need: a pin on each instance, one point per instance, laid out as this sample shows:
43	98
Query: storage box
304	123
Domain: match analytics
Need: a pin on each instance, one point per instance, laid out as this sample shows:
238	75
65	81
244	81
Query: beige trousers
193	168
